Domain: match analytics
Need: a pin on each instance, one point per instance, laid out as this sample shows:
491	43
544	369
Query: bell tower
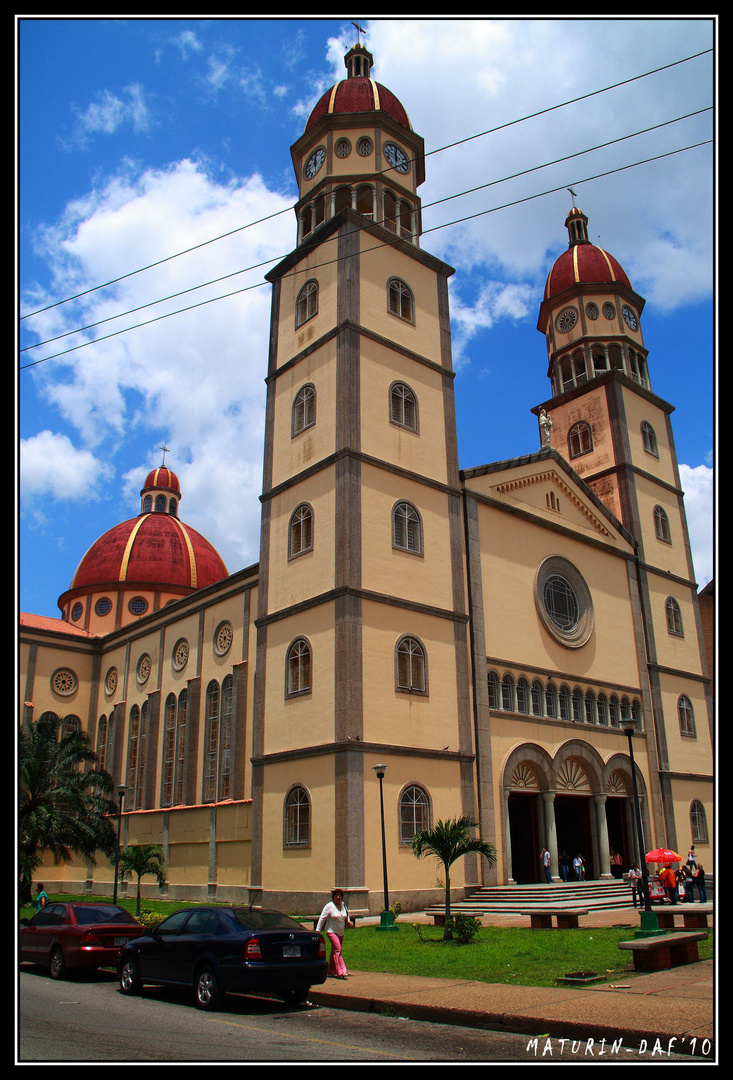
362	622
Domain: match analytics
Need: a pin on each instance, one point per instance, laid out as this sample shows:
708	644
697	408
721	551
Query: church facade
477	635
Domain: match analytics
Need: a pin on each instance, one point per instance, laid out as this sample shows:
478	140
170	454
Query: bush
149	919
464	927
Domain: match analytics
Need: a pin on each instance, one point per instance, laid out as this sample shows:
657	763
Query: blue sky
140	139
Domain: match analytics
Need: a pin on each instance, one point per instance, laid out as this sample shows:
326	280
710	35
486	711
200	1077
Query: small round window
564	602
144	667
180	654
223	638
64	681
103	606
138	605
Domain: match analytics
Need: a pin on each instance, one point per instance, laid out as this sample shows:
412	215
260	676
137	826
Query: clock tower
362	629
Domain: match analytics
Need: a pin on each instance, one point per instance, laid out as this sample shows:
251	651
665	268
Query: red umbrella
662	855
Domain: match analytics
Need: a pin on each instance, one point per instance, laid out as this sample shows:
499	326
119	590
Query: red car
76	935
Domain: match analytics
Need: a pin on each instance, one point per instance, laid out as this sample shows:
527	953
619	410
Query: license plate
121	940
291	950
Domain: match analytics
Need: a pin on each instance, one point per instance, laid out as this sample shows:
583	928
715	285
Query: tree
447	841
63	798
143	860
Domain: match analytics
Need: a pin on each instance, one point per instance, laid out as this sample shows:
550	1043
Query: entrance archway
524	830
574	830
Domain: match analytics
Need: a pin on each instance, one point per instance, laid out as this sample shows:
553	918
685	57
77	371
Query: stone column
548	797
604	852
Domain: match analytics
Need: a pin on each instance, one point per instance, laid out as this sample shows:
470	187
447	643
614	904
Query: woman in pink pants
334	920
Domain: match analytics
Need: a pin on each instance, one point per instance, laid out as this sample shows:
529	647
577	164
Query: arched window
178	786
403	406
400	301
649	439
590	707
147	504
493	680
614	711
551	700
160	504
661	525
225	739
306	306
406	528
134	797
564	703
577	706
414	813
300	531
297	818
211	741
299	667
524	695
603	710
579	439
507	693
698	822
686	715
365	201
411	673
538	696
169	750
69	725
304	409
102	730
674	617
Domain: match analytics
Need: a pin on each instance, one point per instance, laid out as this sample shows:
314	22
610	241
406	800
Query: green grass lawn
515	955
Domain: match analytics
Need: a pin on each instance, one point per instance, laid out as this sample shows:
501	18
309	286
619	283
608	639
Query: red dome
162	478
152	549
359	95
584	264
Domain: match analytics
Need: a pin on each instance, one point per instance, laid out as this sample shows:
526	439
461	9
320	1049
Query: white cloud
105	116
698	486
50	465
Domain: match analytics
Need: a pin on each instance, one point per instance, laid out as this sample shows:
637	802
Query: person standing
564	865
669	881
698	877
41	897
546	865
636	884
334	919
691	857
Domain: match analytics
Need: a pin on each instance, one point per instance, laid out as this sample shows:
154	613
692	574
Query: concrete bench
694	916
567	918
665	951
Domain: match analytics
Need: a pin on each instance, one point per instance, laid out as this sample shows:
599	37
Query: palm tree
447	841
62	794
144	860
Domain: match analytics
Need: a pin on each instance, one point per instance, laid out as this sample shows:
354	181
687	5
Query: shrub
464	927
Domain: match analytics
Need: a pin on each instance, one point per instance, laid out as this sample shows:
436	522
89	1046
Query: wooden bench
567	918
694	916
665	951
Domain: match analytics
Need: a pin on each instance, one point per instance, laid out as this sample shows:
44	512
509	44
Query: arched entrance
573	807
525	834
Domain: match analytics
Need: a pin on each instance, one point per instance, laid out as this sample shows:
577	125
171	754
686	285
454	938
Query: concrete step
593	895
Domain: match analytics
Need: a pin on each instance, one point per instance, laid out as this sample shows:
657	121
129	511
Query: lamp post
387	917
649	922
121	789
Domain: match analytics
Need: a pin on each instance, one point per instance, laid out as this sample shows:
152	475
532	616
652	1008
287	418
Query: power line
310	269
448	146
437	202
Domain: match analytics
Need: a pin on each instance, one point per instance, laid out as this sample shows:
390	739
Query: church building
474	635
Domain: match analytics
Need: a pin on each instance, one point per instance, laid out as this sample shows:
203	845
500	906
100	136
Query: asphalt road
87	1019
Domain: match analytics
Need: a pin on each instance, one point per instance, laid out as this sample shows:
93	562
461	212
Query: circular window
77	612
138	605
343	148
566	320
64	681
591	311
223	638
609	311
144	667
564	602
103	606
364	146
110	681
180	654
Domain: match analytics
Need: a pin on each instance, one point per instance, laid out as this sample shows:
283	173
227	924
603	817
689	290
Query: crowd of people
679	885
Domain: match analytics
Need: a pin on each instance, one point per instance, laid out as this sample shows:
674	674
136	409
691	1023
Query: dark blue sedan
215	950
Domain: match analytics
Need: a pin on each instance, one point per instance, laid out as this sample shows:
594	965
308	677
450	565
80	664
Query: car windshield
105	913
264	919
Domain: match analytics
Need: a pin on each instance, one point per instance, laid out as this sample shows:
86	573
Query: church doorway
573	829
619	838
525	838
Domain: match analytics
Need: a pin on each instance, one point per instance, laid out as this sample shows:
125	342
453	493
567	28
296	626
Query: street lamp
649	922
121	789
387	917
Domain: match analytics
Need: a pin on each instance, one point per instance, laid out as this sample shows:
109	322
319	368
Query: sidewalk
669	1005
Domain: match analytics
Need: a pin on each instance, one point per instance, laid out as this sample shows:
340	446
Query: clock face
630	317
396	157
314	163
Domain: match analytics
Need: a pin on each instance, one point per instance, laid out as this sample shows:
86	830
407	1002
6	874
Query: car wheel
58	964
129	978
206	989
297	996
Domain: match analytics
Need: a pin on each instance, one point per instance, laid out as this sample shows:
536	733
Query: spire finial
166	450
359	31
